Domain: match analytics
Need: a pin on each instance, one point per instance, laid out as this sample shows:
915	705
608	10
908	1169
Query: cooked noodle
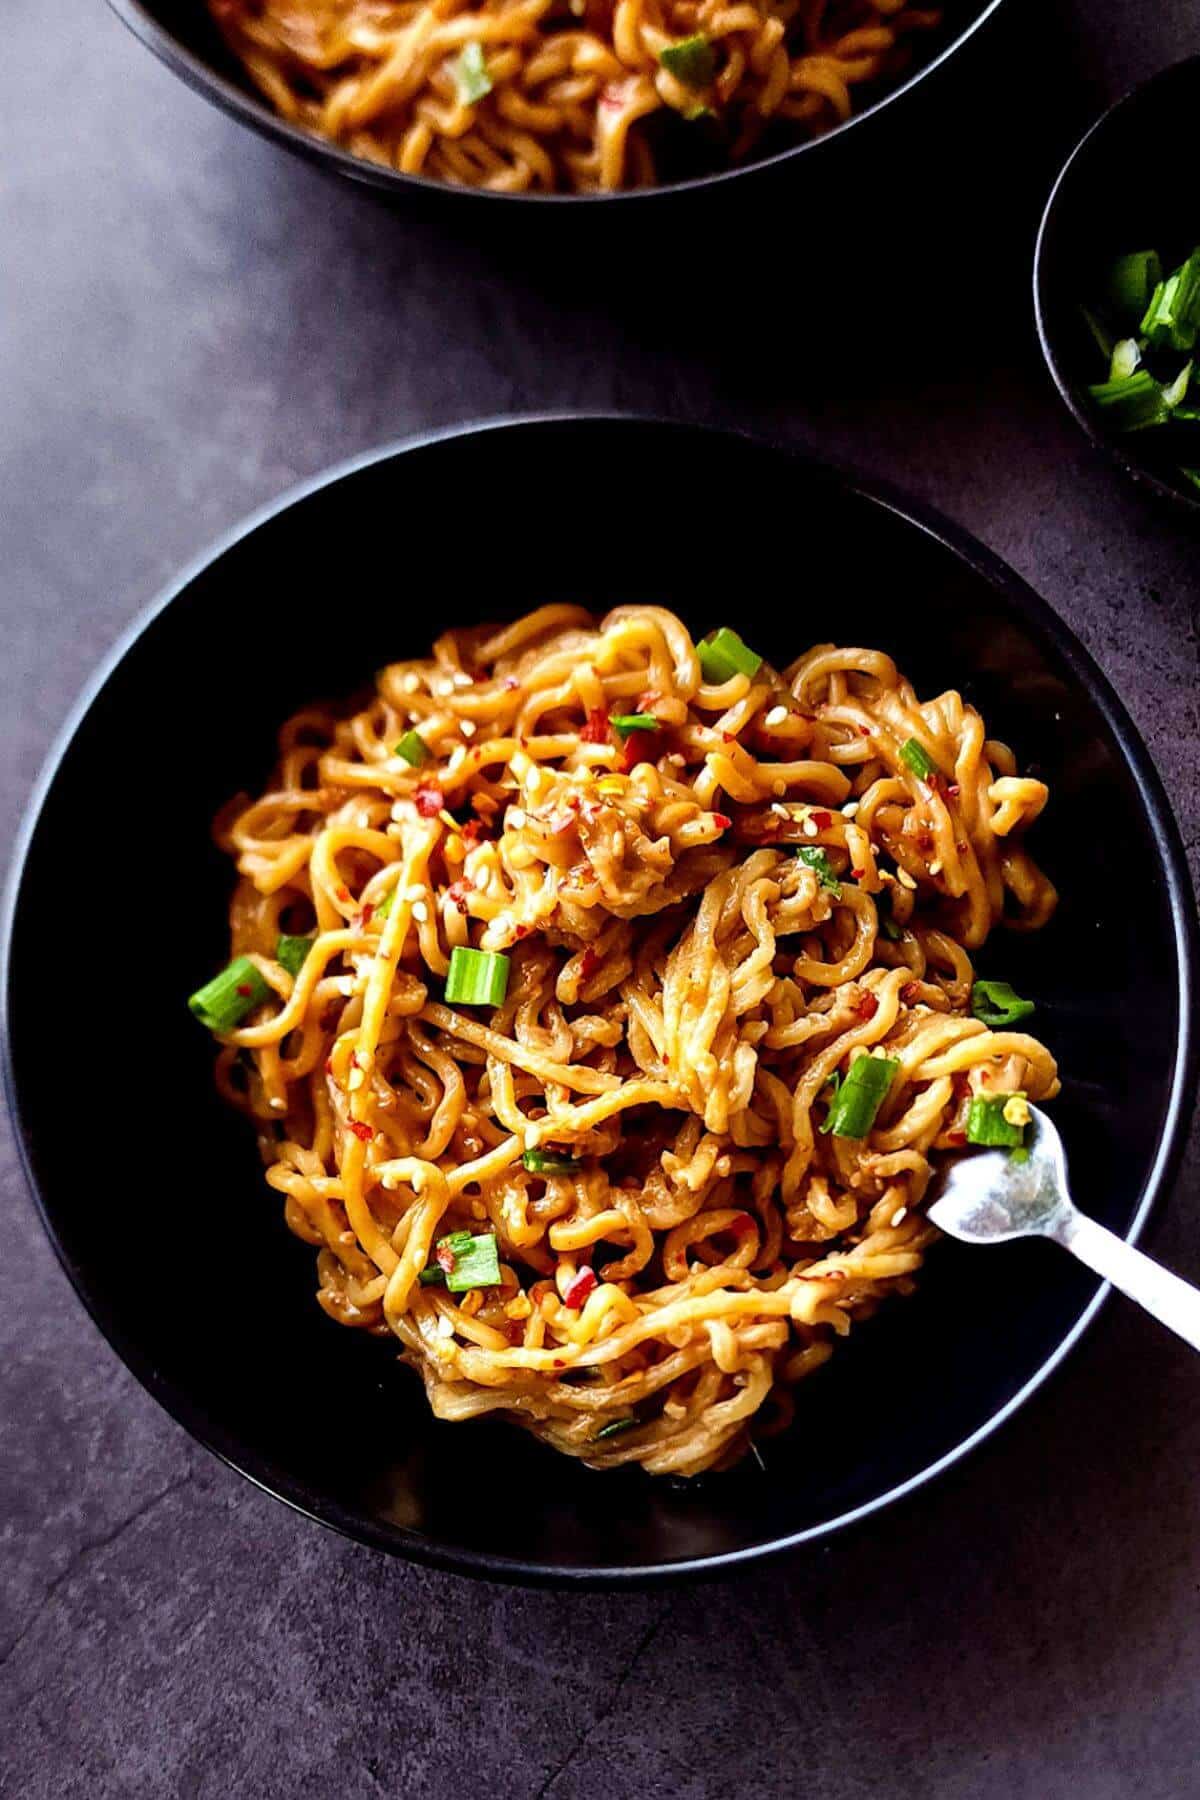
683	990
569	83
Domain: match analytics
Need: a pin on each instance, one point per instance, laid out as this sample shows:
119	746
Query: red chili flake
360	1130
443	1256
639	747
962	848
936	782
589	962
511	684
910	993
245	988
857	874
957	1137
722	821
457	893
730	737
343	893
864	731
430	800
473	832
867	1007
646	702
822	820
578	1290
523	930
558	1363
595	729
924	842
364	917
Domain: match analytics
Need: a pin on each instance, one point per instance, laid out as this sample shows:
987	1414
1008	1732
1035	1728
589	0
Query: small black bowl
183	36
1130	184
151	1188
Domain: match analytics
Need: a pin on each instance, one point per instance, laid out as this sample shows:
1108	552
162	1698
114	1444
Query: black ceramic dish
1128	185
234	1344
181	33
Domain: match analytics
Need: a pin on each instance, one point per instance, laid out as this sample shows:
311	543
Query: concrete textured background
190	321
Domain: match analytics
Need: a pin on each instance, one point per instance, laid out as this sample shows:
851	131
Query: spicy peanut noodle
713	1017
555	94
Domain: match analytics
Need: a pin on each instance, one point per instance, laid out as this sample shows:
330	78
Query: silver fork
987	1198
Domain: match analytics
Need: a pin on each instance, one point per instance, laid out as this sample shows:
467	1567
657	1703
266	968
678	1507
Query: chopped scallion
914	753
1124	359
692	60
476	978
613	1427
815	858
1172	318
723	655
292	952
413	748
1132	403
1130	286
546	1162
626	723
996	1004
987	1125
224	1001
862	1093
470	73
476	1261
1175	392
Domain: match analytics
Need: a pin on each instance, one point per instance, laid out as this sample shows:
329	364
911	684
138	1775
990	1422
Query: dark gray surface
188	323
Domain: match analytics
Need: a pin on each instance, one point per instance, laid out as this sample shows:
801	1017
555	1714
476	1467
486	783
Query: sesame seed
278	1105
420	912
776	716
445	1325
462	680
906	880
935	867
467	727
809	828
850	808
899	1214
781	812
516	818
410	683
481	879
364	820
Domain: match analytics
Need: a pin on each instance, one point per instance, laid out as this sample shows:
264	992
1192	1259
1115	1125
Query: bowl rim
1023	599
1139	472
250	110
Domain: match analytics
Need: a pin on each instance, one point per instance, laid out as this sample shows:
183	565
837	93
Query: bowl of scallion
1117	284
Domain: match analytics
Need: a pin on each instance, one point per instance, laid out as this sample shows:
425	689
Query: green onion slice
1130	404
987	1125
613	1427
476	978
723	655
918	758
1124	360
625	723
291	952
693	61
433	1275
833	1088
814	857
548	1162
224	1001
386	904
1130	285
476	1261
995	1003
413	748
1192	475
1173	394
861	1095
470	73
1172	318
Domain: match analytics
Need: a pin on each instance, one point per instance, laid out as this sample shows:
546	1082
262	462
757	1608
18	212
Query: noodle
685	992
558	90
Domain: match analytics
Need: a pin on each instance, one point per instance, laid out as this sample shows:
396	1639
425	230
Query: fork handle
1175	1303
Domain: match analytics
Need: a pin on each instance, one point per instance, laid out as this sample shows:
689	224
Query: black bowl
181	33
1128	185
151	1189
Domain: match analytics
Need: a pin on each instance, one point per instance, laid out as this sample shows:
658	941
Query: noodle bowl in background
712	912
548	95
